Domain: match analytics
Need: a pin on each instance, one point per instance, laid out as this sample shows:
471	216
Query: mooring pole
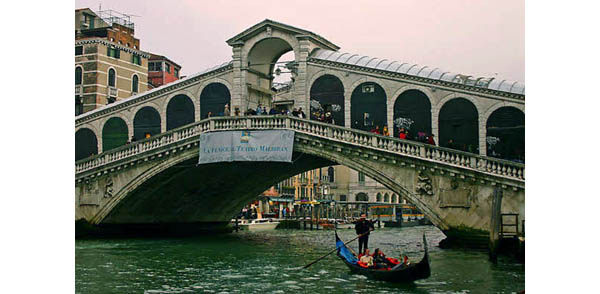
495	224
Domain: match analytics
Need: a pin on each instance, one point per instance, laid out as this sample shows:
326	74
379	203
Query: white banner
269	145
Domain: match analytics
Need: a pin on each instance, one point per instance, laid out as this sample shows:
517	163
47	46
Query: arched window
459	125
378	197
362	197
134	84
386	198
331	174
111	78
394	198
78	75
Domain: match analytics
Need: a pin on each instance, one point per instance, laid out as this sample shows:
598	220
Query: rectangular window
154	66
137	59
342	197
114	52
361	177
168	67
78	50
176	72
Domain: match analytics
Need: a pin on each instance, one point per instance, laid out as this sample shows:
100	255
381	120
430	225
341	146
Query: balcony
78	89
112	91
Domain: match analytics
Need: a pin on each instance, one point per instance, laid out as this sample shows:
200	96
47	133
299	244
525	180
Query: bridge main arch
176	190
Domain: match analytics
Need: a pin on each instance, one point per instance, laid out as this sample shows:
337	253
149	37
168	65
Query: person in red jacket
376	130
430	140
402	134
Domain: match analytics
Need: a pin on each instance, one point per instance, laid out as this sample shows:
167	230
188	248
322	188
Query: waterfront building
109	65
161	71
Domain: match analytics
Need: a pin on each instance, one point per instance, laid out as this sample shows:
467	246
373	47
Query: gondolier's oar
336	248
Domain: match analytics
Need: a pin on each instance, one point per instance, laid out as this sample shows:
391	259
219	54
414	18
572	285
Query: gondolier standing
363	226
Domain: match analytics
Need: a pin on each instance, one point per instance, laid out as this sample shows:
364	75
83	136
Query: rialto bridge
154	181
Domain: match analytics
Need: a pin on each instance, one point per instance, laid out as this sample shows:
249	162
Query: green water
267	262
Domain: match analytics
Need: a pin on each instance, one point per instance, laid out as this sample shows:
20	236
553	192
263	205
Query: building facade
162	71
109	65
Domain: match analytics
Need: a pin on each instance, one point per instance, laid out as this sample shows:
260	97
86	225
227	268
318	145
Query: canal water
268	262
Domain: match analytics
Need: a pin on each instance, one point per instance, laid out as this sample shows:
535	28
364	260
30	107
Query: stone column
300	83
482	135
435	130
238	79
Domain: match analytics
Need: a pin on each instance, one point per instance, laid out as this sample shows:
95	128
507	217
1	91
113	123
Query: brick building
161	71
109	65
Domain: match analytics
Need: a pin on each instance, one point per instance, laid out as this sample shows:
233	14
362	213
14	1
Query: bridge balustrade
441	155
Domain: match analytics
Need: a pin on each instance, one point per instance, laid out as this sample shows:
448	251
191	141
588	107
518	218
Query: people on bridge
237	111
301	113
430	140
259	110
386	132
226	111
273	111
363	227
295	112
376	130
402	134
450	144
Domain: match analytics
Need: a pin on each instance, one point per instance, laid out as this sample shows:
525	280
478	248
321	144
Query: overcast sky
481	38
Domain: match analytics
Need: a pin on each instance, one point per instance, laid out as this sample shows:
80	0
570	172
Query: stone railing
440	155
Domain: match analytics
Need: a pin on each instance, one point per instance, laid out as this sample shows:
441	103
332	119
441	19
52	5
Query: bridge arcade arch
459	121
327	95
180	111
412	111
368	106
115	133
86	143
146	121
213	98
505	133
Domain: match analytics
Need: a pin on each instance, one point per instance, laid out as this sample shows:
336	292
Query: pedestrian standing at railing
259	110
386	132
301	113
226	111
430	140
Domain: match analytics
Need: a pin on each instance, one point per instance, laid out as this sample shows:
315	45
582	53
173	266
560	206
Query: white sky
480	38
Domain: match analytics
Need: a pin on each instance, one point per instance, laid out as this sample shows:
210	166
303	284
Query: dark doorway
213	99
180	112
412	111
146	121
459	121
114	134
86	143
506	134
368	107
327	95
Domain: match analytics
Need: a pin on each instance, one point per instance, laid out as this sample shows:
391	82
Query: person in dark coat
363	226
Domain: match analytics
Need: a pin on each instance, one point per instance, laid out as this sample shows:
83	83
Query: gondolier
363	226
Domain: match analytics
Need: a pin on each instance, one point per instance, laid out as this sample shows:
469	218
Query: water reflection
269	262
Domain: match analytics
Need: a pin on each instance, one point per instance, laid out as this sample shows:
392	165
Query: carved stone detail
108	190
424	186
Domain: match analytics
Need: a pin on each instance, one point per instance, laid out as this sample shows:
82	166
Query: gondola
398	274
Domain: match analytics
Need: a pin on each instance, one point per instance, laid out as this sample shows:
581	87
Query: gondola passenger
367	259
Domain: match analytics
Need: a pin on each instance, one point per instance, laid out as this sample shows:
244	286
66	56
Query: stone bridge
360	91
156	182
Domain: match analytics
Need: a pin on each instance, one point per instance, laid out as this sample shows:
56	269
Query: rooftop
423	71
